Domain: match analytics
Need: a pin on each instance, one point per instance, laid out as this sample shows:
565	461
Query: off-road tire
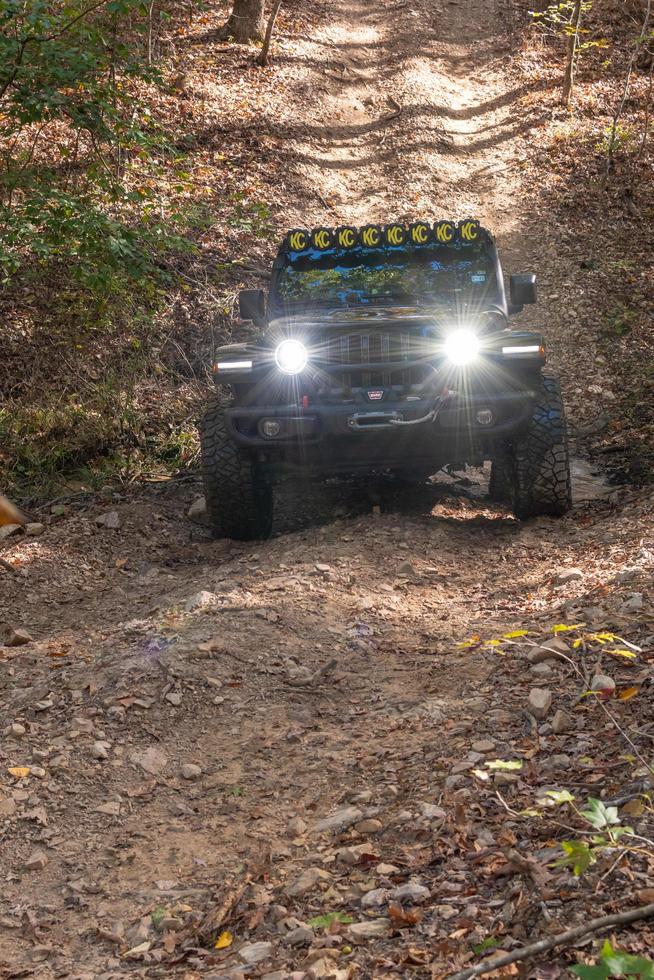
534	474
239	501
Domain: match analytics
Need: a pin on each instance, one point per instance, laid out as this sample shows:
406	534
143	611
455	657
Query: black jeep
384	349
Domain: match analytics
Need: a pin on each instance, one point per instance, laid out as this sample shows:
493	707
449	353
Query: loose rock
201	600
371	826
302	936
110	520
198	510
370	928
100	750
36	861
412	891
340	820
540	702
374	899
253	953
8	531
191	771
152	760
11	637
431	812
561	722
306	882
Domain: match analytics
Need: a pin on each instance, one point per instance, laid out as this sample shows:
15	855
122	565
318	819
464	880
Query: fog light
485	416
270	428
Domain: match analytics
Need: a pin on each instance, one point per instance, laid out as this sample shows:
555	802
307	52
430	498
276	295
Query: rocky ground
345	752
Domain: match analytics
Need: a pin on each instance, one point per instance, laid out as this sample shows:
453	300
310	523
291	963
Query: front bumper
355	435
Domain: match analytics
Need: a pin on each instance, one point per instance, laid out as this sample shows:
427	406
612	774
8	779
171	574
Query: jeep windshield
436	274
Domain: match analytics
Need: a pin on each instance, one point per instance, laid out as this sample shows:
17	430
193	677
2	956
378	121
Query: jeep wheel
239	501
534	475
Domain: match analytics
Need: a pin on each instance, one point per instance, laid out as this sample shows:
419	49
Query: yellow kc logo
321	238
445	231
297	240
370	236
346	237
469	231
395	235
420	234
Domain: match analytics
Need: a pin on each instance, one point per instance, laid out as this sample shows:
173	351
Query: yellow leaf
564	628
19	772
621	652
493	643
514	634
627	693
469	643
224	940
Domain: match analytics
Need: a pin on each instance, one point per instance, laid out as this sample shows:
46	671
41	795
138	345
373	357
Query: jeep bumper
352	435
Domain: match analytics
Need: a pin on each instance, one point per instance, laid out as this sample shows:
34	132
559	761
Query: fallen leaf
627	693
19	772
224	940
401	918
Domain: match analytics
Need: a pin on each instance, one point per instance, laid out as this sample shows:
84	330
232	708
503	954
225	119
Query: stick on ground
561	939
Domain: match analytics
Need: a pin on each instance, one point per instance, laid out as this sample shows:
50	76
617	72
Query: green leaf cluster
616	963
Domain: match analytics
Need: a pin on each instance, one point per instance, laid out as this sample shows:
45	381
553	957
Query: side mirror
522	290
252	305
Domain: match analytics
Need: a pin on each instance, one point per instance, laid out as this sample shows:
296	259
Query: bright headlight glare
291	356
461	347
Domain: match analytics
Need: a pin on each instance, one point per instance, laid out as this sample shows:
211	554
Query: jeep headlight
291	356
461	347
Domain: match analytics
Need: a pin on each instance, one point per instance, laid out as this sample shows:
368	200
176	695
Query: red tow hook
305	401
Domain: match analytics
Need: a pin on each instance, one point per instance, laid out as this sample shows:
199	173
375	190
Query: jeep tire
533	474
239	501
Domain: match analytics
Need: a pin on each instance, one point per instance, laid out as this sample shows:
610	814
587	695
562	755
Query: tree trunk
265	50
246	22
573	40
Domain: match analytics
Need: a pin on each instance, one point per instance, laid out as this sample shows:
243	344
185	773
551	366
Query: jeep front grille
392	357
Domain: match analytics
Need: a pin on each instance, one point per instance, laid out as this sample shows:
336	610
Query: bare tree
246	22
270	27
573	41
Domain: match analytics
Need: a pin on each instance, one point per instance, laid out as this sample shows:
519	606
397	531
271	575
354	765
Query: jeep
384	349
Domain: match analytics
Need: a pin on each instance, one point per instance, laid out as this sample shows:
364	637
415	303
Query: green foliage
67	74
251	216
558	17
620	320
618	138
616	963
326	920
489	943
600	815
579	855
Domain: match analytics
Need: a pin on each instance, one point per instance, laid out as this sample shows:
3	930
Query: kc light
461	347
291	356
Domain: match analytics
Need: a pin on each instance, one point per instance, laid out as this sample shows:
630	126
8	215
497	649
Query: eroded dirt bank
188	712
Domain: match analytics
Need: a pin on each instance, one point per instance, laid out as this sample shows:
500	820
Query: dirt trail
154	648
